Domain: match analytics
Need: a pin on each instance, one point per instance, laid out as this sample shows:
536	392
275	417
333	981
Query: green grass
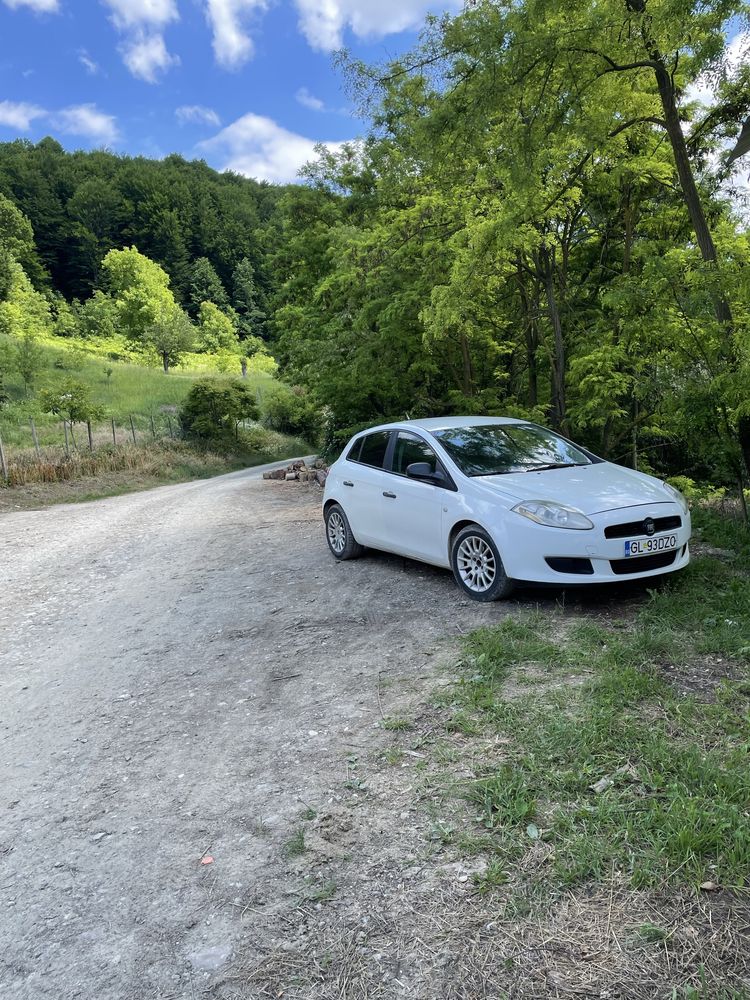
295	845
674	748
132	388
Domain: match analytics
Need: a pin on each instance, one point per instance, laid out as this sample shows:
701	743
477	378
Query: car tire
341	541
477	566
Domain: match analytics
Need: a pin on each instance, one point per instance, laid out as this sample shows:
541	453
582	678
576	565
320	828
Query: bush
290	411
213	409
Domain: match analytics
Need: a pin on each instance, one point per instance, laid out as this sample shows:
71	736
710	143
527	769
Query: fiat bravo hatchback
501	501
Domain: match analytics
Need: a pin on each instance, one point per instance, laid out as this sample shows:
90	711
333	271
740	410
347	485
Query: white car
500	501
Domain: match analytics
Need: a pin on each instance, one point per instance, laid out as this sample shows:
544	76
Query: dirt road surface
192	697
184	671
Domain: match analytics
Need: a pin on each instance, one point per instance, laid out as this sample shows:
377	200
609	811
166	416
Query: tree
140	289
246	301
205	286
29	360
71	401
146	309
214	409
171	334
17	240
97	316
217	331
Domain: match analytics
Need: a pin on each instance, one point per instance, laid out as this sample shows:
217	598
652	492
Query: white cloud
146	56
196	114
88	121
19	115
129	14
257	147
39	6
323	22
231	43
142	22
308	100
87	62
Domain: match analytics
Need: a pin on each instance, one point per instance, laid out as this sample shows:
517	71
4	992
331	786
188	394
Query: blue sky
244	84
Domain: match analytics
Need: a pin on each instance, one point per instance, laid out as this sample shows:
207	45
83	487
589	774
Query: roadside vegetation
606	748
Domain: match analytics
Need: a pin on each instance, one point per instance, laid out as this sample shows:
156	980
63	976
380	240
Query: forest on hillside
546	218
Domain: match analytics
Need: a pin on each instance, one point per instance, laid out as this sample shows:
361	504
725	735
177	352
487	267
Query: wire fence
70	448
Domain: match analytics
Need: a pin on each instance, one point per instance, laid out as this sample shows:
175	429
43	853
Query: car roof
432	424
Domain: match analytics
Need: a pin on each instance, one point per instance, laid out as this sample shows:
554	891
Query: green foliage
247	301
71	400
290	411
216	330
97	316
205	286
214	409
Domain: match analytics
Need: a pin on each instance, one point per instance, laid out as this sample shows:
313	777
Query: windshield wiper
554	465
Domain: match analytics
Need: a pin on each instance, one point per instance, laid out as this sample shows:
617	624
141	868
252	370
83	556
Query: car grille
570	565
631	528
642	564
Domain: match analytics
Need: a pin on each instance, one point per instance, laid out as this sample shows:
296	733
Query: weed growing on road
396	724
295	845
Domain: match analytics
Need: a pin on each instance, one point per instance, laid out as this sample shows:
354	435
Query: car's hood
591	488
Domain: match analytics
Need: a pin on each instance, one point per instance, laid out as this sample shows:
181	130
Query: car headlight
554	515
678	497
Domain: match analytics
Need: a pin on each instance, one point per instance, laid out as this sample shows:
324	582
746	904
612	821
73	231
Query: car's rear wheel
341	541
477	565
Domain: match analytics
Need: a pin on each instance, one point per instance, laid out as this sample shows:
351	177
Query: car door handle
391	496
347	483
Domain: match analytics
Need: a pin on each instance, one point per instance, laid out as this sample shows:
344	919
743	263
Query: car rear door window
410	448
374	447
353	455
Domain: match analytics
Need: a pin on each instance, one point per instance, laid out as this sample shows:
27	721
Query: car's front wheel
477	565
341	541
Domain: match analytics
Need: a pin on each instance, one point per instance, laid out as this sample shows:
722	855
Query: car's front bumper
540	554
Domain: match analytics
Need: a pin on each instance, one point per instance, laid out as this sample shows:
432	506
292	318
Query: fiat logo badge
648	526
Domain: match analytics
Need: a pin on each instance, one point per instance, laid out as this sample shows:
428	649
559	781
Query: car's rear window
374	447
494	450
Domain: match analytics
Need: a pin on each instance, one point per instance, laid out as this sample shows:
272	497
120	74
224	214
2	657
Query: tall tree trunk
529	308
165	362
692	199
558	352
468	368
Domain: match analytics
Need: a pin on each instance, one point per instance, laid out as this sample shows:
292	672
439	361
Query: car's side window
374	447
353	455
409	448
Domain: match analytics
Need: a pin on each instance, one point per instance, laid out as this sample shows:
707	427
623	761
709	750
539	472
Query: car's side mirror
424	471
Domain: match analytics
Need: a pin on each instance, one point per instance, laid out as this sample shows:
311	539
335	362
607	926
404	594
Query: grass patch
396	724
642	769
295	845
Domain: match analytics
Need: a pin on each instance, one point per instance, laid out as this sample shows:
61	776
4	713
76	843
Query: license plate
647	546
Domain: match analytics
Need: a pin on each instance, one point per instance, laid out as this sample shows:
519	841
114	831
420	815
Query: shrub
213	409
290	411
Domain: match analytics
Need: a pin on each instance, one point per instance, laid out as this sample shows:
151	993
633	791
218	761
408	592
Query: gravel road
184	672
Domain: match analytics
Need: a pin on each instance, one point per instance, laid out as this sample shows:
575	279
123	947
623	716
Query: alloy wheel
476	564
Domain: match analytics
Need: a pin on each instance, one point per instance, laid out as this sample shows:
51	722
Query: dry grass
160	457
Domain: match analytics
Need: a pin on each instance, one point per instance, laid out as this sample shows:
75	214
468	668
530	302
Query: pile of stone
300	472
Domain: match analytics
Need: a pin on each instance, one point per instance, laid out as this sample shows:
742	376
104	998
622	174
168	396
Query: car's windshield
494	449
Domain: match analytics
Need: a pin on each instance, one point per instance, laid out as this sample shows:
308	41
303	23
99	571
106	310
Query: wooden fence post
91	440
3	463
153	428
169	421
34	436
67	446
114	433
132	428
73	437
